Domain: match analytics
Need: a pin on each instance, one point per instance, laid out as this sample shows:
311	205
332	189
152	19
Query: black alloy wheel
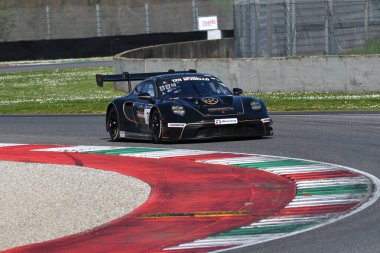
113	124
156	126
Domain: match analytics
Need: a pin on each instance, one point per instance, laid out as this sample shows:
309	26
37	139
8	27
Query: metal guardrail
83	19
303	27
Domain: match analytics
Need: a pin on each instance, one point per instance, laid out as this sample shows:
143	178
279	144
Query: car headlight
178	109
255	105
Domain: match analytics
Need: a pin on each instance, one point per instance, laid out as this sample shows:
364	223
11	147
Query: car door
143	104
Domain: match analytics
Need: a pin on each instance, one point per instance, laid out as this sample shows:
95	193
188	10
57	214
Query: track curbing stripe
325	193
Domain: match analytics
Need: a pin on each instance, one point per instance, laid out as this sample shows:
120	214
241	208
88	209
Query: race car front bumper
206	130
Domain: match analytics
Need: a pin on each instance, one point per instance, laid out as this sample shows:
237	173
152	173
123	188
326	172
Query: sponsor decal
210	101
167	86
208	23
195	78
230	121
177	125
172	83
122	134
220	109
146	115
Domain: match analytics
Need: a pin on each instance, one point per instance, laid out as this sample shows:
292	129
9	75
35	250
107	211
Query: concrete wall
346	74
223	48
312	73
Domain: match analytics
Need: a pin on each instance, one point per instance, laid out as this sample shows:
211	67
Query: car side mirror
144	95
237	91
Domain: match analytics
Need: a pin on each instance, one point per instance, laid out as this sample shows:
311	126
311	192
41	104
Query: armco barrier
309	73
90	47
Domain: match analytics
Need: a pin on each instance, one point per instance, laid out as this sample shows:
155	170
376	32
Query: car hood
215	105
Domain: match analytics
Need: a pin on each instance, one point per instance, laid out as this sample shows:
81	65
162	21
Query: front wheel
113	126
156	127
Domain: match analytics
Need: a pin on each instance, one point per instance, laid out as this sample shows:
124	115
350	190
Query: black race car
173	106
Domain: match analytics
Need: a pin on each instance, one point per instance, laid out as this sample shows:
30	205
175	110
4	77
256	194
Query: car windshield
191	86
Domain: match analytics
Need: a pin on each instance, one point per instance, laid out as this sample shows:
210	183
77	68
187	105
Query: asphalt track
349	139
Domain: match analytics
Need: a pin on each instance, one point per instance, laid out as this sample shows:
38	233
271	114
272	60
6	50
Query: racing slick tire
113	126
155	125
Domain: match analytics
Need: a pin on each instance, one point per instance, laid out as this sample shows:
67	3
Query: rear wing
128	77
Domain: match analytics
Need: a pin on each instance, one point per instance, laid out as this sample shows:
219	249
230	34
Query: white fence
32	20
303	27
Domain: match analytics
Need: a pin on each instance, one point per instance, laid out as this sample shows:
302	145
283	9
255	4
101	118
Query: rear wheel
113	125
156	126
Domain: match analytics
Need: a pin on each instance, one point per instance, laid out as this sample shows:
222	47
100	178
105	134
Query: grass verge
320	101
371	47
54	91
74	91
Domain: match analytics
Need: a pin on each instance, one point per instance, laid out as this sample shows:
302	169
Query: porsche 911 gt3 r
174	106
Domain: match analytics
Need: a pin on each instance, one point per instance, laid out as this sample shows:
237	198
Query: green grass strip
75	91
126	151
319	101
370	47
272	164
263	230
331	190
55	91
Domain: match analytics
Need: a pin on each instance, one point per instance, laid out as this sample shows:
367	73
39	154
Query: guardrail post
294	30
48	22
195	15
269	28
288	28
366	10
290	15
258	51
327	48
98	25
147	19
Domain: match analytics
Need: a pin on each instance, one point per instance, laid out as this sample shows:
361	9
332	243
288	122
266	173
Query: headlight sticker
230	121
177	125
255	105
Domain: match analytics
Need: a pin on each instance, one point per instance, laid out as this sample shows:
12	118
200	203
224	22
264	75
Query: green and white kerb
325	192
